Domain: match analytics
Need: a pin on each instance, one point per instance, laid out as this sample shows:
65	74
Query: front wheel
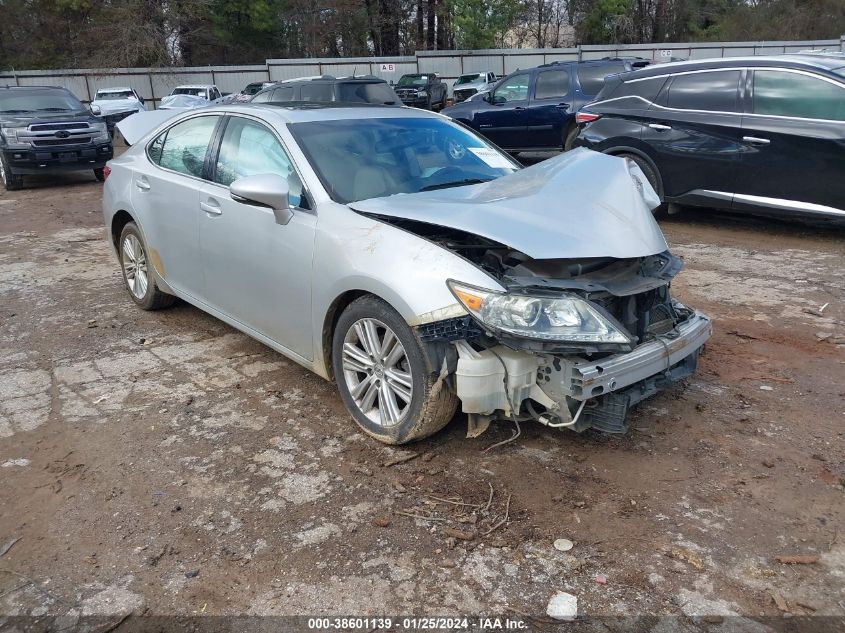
11	182
383	376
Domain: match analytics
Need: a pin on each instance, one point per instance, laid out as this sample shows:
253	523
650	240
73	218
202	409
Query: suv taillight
586	117
106	172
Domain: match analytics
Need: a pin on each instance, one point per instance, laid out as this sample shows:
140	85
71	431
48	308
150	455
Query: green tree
483	23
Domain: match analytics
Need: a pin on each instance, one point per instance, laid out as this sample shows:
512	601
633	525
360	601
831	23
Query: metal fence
155	83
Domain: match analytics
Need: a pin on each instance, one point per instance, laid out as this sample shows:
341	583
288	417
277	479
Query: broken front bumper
577	393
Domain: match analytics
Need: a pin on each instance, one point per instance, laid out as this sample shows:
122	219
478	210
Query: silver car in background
407	259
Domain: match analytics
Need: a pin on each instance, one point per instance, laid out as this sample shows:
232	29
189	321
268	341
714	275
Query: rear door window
591	76
283	94
551	84
781	93
185	145
714	91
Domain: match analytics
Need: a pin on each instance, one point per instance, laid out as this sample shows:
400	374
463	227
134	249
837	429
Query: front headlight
11	134
422	93
563	318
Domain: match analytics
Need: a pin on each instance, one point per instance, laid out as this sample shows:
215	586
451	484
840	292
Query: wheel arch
118	222
616	150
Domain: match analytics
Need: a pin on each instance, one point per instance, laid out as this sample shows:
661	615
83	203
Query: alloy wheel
135	266
377	372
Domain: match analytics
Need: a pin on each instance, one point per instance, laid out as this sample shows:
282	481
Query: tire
570	136
653	179
138	277
431	404
99	175
11	182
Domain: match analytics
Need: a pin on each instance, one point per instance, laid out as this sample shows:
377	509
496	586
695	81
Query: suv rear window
790	94
591	76
315	92
714	91
363	92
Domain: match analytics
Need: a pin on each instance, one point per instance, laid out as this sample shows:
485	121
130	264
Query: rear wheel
10	181
569	136
653	179
383	376
138	276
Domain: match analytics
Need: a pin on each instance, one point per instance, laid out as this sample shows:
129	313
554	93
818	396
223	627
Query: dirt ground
160	463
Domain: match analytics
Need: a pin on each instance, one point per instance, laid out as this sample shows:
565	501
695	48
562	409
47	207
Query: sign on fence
388	68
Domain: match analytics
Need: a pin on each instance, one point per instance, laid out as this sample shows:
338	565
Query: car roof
814	61
114	89
311	111
194	86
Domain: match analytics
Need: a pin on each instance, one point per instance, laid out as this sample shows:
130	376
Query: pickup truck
423	90
468	85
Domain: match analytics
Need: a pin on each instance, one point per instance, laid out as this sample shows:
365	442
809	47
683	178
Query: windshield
468	79
357	159
413	80
197	92
38	101
114	95
252	89
359	92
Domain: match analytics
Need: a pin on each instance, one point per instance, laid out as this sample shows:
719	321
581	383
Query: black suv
45	130
328	89
423	90
759	133
535	109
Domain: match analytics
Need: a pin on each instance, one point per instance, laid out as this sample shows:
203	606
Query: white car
111	101
208	92
406	258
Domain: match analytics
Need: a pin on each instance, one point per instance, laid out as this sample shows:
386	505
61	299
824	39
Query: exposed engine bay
564	384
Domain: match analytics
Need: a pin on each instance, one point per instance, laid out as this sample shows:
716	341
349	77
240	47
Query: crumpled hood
116	106
23	120
579	204
136	126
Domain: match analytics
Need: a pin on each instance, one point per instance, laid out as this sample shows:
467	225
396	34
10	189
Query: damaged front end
571	343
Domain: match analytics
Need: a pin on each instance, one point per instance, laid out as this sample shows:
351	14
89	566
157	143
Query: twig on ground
400	460
490	499
456	503
504	520
420	516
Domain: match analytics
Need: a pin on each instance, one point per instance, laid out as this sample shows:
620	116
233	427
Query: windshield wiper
455	183
14	111
53	110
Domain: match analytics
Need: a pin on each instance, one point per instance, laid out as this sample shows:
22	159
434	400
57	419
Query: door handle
143	184
659	127
518	109
212	207
563	106
755	140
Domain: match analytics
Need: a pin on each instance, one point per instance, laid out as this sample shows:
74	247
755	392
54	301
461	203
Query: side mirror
95	110
267	190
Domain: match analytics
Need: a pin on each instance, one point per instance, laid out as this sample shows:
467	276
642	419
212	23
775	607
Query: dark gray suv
328	89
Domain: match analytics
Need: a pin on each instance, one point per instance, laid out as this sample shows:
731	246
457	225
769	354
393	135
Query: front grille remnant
455	329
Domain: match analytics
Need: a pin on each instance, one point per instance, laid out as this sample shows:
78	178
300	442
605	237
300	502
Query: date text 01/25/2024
417	624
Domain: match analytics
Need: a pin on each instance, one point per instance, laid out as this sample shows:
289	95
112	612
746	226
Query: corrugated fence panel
279	72
483	63
237	81
446	66
400	68
74	83
512	63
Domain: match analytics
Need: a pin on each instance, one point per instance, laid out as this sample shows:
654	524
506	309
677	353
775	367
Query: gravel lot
137	448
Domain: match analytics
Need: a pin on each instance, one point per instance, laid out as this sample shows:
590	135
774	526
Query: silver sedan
404	257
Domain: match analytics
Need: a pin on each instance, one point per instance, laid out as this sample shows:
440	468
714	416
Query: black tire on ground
153	298
99	175
11	182
432	404
653	179
569	136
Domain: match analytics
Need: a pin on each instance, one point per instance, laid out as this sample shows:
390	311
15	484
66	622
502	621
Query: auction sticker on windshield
491	157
